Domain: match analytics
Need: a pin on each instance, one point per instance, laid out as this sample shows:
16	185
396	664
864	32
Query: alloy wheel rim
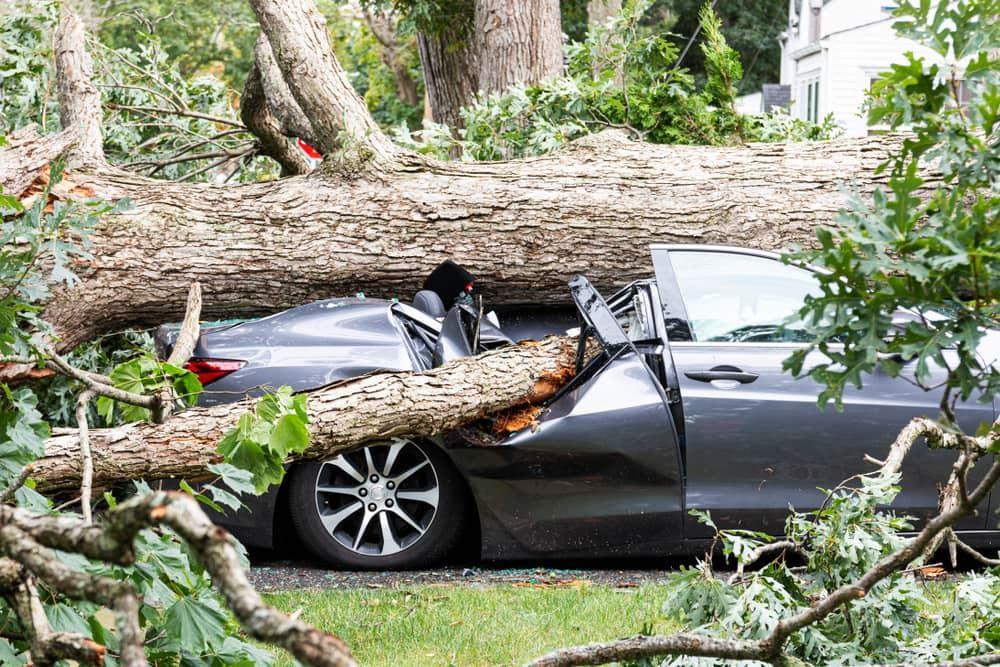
380	500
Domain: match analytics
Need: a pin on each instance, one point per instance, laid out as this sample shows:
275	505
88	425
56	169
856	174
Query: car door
755	441
598	474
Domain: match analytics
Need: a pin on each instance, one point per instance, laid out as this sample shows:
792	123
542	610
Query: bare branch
7	495
79	100
188	157
174	112
47	647
635	648
976	554
770	649
86	457
976	661
121	597
26	537
761	552
218	163
98	387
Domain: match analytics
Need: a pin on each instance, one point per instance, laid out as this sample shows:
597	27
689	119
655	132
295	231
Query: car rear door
755	441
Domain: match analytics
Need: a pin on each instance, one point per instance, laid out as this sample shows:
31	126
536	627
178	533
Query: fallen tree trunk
343	416
522	227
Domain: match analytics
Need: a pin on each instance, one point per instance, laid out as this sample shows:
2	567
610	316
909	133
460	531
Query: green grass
473	626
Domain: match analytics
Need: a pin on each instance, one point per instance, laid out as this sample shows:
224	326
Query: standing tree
479	47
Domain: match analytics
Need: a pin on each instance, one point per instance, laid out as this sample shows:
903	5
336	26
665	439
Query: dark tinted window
741	298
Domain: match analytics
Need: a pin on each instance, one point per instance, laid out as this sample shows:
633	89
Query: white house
831	53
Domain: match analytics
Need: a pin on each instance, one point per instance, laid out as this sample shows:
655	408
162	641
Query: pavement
278	575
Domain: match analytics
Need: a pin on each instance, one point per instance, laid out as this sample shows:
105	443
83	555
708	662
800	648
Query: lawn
470	626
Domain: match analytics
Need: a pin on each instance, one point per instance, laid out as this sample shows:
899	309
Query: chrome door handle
722	373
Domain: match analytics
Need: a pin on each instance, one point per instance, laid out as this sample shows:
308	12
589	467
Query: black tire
443	528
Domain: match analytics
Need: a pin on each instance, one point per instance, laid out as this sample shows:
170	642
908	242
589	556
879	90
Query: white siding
856	43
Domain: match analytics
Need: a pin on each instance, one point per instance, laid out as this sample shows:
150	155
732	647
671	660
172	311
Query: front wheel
388	506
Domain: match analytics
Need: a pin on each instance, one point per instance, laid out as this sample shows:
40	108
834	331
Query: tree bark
523	227
257	116
280	102
450	73
507	43
298	37
518	42
79	101
27	154
342	416
383	218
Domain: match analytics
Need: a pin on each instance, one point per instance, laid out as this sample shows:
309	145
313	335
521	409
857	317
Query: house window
808	102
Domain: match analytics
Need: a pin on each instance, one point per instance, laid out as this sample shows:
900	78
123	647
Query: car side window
737	298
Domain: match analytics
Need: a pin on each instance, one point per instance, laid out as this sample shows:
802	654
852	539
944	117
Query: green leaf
289	435
194	626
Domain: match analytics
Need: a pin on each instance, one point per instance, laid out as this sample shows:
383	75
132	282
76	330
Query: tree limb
299	40
342	416
7	495
27	537
259	119
770	649
79	99
19	546
47	646
86	456
292	122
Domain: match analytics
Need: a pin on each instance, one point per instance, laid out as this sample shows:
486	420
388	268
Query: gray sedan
686	408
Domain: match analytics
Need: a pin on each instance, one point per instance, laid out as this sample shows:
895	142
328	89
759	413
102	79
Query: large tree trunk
341	417
506	43
518	41
522	227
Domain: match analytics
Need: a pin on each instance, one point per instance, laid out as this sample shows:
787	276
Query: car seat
429	302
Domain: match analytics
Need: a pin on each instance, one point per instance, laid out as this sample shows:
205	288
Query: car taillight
210	370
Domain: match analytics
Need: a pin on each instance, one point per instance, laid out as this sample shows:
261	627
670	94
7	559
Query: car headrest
429	302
